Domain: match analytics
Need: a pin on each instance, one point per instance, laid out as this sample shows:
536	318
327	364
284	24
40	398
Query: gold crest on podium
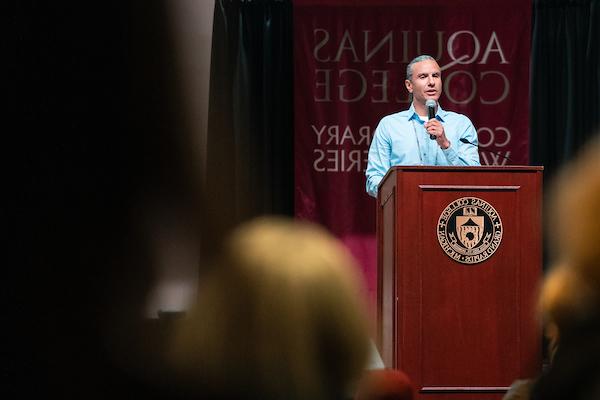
469	230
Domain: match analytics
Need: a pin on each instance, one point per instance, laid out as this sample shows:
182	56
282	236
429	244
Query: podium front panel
459	329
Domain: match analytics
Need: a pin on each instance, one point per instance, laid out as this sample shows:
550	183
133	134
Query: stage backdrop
350	60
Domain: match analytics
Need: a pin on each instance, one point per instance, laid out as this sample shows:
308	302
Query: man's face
426	82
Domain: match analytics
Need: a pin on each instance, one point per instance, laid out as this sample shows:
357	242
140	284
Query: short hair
409	67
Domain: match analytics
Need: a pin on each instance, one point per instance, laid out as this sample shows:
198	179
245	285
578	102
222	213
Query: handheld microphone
431	104
462	139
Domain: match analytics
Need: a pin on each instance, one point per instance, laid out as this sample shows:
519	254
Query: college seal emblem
469	230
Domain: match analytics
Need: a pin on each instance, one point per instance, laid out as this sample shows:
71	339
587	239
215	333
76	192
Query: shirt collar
440	114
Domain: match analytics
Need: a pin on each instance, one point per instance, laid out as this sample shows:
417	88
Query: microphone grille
430	103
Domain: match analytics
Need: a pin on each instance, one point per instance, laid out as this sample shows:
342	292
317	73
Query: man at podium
425	134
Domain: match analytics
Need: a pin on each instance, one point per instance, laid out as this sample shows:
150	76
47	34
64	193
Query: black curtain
565	88
250	122
565	80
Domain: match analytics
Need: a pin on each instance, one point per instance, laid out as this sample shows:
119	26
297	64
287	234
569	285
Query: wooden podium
459	261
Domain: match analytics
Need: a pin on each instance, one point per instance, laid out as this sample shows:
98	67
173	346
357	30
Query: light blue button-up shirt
401	139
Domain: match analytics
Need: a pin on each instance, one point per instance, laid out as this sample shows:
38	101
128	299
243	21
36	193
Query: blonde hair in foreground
282	316
570	292
576	208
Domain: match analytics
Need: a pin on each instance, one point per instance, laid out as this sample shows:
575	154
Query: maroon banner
350	61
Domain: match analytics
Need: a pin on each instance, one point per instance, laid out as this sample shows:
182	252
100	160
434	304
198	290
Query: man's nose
430	81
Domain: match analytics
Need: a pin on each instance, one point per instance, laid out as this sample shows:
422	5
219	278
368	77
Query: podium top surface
484	168
431	170
470	168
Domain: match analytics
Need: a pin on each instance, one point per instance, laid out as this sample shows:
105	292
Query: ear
408	85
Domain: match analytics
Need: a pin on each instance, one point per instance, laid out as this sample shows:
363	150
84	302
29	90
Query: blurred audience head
570	294
281	317
571	291
564	299
113	161
385	384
